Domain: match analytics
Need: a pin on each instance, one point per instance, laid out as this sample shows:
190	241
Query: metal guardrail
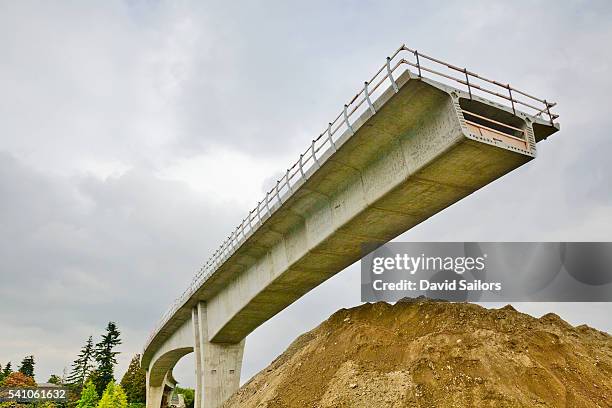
360	103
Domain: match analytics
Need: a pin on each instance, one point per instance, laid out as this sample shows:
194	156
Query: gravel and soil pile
437	354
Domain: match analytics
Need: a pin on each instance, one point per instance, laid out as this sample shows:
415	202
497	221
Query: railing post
280	202
548	111
259	212
329	137
267	204
250	221
367	96
467	81
288	183
390	75
300	164
511	98
242	229
314	154
346	120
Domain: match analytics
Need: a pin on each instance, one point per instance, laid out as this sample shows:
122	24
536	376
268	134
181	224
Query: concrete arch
170	380
179	344
160	381
161	369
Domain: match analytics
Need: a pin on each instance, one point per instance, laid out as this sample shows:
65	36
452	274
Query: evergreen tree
27	366
7	370
89	396
64	375
120	397
106	357
55	379
83	365
134	382
93	377
113	397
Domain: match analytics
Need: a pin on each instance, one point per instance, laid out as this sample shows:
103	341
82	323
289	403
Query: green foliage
83	365
113	397
137	405
134	382
27	366
55	379
89	396
106	357
93	377
120	397
188	395
6	371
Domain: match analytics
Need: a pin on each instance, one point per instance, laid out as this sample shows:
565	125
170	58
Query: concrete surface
416	156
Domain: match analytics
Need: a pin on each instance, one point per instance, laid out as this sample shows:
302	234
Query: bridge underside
419	153
427	146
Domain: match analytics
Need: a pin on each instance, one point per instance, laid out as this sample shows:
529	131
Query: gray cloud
97	102
79	252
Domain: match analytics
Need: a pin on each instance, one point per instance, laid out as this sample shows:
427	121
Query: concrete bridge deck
420	146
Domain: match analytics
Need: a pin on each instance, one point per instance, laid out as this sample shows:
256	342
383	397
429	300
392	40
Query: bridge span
404	148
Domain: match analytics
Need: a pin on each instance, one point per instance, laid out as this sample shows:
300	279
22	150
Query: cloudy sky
134	135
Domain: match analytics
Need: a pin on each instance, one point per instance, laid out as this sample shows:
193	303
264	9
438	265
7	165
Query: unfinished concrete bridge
404	148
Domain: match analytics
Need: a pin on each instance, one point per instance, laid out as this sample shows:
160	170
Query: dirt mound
437	354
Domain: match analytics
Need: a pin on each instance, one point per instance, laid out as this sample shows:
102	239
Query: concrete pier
218	365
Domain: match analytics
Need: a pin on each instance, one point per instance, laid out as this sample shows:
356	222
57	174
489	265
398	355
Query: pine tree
89	396
120	397
134	382
55	379
113	397
7	370
27	366
64	375
106	357
83	365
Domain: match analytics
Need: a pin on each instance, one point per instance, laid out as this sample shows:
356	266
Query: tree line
91	379
23	376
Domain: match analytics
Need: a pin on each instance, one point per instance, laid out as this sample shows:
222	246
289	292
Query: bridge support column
154	394
218	365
